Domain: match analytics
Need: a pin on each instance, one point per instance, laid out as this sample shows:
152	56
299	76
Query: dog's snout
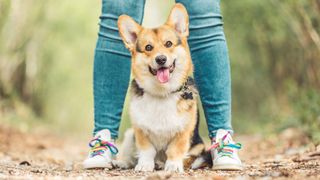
161	59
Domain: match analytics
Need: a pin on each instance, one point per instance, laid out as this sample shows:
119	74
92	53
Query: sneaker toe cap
227	160
97	162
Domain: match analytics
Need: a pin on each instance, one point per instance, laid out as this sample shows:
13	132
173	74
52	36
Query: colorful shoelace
225	149
98	147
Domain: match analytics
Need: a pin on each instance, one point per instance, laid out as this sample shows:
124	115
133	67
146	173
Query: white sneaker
102	151
224	152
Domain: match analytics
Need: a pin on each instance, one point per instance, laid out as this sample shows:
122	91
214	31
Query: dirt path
290	155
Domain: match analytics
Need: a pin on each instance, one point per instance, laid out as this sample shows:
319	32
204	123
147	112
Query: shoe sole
102	165
228	167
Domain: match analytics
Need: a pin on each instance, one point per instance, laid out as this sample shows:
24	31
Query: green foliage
19	56
307	111
46	62
274	43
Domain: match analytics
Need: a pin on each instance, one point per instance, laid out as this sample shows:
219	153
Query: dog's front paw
144	166
121	164
174	166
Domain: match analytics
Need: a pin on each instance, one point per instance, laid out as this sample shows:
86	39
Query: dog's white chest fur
157	117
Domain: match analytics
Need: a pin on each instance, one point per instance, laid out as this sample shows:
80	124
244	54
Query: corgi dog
163	104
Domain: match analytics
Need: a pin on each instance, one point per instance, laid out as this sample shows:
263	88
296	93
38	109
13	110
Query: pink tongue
163	75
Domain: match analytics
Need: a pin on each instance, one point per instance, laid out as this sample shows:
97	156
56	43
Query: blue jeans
208	50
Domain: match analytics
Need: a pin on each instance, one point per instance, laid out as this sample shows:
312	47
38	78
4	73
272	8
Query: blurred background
46	63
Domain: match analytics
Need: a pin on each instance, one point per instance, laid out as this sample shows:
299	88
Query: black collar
185	86
186	90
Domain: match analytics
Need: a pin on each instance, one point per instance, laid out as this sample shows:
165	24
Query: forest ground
40	155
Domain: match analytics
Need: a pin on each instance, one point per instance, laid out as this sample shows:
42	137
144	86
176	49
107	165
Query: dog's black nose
161	59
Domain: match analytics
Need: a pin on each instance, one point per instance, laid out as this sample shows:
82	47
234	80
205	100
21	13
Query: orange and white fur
163	104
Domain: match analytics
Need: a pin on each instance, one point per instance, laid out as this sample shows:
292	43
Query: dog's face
160	57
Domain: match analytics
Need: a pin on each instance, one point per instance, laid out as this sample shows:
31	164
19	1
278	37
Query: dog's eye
168	44
148	47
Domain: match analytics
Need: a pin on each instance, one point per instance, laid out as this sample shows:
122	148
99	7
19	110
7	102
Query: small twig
313	154
304	159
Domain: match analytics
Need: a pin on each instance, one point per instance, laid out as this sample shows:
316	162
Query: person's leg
110	80
212	75
211	61
112	64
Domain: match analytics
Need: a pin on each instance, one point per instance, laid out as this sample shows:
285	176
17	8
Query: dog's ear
128	30
179	20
